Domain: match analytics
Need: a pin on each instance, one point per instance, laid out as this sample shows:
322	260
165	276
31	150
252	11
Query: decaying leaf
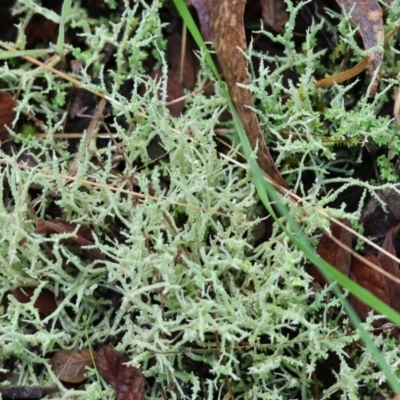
41	29
381	286
369	279
71	365
128	381
45	302
332	252
367	14
174	91
391	266
203	11
82	238
26	392
229	40
374	281
7	114
274	13
187	68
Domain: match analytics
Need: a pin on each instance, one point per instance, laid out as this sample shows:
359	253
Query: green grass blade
66	10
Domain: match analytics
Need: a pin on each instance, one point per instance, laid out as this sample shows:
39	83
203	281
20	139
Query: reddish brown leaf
378	284
71	365
43	227
45	303
174	91
203	11
7	114
367	14
274	13
230	41
128	382
332	252
369	279
40	29
190	62
391	266
83	238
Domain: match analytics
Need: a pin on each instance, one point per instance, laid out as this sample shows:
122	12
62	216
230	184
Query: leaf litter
71	365
45	302
128	381
7	114
382	286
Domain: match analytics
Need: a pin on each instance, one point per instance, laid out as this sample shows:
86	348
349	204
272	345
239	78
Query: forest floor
136	257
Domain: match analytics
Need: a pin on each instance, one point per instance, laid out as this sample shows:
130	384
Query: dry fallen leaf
45	303
332	252
128	381
379	285
274	13
372	280
186	70
367	14
369	279
203	11
392	267
71	365
7	114
83	238
174	91
230	44
41	29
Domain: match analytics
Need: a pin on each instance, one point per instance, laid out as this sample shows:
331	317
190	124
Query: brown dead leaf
83	238
229	40
45	303
274	13
392	267
174	91
332	252
367	14
203	11
381	286
369	279
40	29
7	114
190	64
71	365
128	381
